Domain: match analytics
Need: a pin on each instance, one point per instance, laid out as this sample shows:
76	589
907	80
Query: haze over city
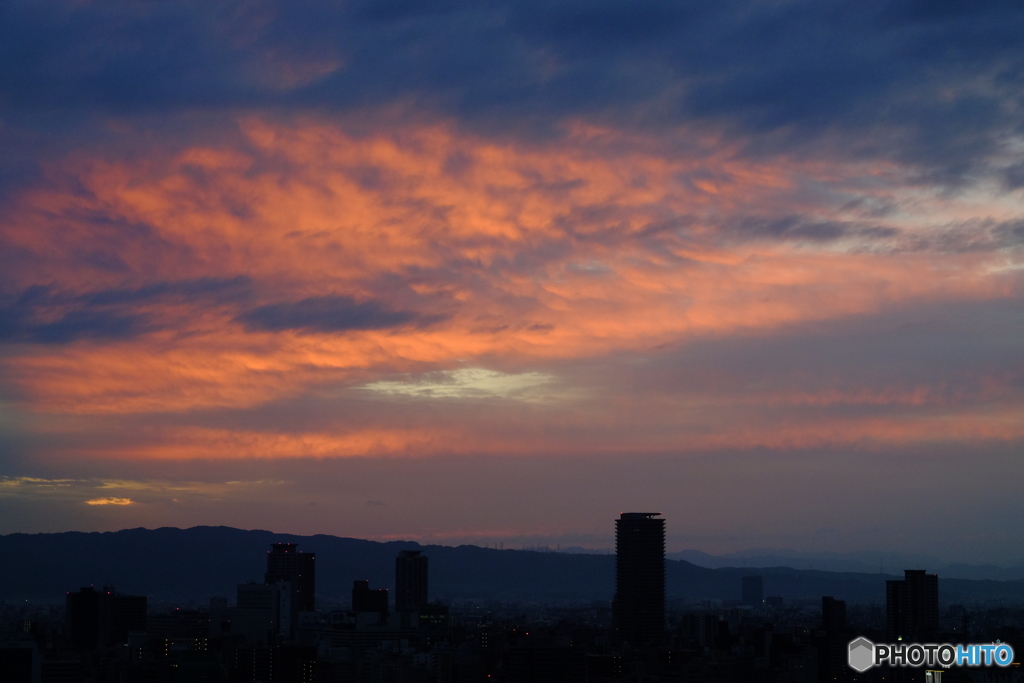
496	272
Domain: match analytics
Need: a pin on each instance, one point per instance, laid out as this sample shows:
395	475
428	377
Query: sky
494	272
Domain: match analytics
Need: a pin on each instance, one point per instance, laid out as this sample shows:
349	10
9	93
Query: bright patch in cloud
469	383
19	482
109	501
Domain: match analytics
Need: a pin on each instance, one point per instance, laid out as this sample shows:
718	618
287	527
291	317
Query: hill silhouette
200	562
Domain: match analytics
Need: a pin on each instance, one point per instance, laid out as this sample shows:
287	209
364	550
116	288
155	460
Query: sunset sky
494	272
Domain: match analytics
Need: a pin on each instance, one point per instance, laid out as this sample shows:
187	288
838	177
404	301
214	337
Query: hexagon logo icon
862	655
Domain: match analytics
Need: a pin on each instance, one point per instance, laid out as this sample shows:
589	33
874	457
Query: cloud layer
256	232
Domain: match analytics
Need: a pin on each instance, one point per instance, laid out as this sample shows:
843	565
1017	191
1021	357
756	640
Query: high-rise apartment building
263	613
912	607
638	610
286	563
833	614
834	644
410	581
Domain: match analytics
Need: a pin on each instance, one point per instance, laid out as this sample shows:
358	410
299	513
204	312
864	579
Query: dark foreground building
366	599
286	563
638	610
99	619
410	581
912	607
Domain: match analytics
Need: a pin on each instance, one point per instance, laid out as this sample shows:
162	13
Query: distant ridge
858	562
200	562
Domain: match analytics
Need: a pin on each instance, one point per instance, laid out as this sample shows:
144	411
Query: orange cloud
513	253
109	501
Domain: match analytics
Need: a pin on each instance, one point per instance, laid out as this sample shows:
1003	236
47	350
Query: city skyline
107	635
495	273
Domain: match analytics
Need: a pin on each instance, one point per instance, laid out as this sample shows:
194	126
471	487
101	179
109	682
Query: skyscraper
834	643
833	614
263	613
912	607
286	563
83	615
410	581
638	610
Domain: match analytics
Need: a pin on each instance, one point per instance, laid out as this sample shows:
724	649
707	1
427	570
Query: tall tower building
286	564
638	610
834	643
410	581
833	614
912	607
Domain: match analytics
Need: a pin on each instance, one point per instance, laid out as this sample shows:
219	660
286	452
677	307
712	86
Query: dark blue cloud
935	83
225	290
88	324
1014	177
326	314
795	228
17	324
41	314
975	235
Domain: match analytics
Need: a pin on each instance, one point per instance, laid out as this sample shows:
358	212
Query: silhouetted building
833	614
705	629
752	590
286	563
19	662
83	617
365	599
833	645
638	610
288	663
103	618
912	607
262	613
410	581
434	622
62	671
536	660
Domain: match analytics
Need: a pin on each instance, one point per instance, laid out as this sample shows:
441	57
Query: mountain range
170	564
864	562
